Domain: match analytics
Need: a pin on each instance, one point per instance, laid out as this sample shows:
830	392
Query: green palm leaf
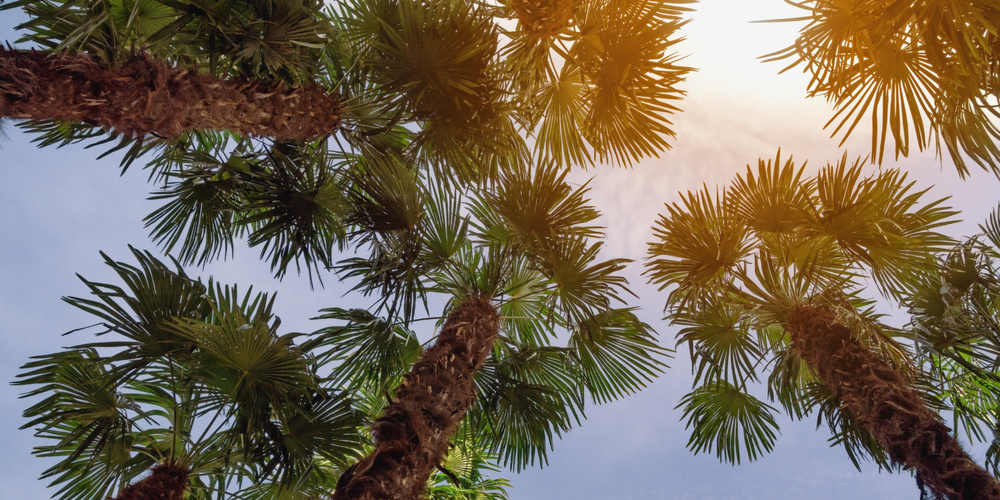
720	341
368	350
143	311
528	396
728	421
617	353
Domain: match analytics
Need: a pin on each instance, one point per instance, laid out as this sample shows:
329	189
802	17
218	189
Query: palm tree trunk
167	482
880	398
146	96
412	436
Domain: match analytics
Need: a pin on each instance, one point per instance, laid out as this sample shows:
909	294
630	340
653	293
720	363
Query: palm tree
783	255
131	67
955	318
595	85
923	70
526	272
196	386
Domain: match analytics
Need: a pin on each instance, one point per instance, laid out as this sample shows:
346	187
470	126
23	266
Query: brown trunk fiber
411	439
543	18
167	482
880	398
146	96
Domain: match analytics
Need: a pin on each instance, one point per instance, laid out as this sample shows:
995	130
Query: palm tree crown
768	273
196	385
918	70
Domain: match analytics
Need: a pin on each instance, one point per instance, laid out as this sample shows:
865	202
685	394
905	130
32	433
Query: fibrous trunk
412	436
167	482
543	18
880	398
145	96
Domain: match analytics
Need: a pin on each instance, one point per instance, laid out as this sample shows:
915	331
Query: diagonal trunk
167	482
881	399
412	437
146	96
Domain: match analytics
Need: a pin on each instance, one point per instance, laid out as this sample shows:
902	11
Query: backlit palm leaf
633	79
914	69
877	222
563	105
525	401
701	243
595	78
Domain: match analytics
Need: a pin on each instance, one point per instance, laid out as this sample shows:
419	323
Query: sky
60	207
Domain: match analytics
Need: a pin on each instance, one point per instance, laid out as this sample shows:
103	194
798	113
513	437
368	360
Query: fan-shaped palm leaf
729	421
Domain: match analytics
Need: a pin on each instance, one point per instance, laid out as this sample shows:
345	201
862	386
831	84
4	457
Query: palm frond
913	69
730	422
527	398
701	243
369	351
720	342
539	207
618	354
634	80
142	312
877	222
298	214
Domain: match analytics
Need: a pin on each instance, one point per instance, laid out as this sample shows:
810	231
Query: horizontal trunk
145	96
880	398
412	436
167	482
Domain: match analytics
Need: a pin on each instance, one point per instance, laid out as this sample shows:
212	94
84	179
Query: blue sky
60	207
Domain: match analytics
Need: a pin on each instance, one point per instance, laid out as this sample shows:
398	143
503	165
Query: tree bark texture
872	391
167	482
145	96
412	436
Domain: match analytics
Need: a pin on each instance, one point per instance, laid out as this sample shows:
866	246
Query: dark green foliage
195	377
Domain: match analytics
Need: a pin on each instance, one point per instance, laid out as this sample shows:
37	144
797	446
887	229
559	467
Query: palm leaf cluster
923	71
738	262
282	197
597	67
192	376
525	246
253	38
954	326
599	89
